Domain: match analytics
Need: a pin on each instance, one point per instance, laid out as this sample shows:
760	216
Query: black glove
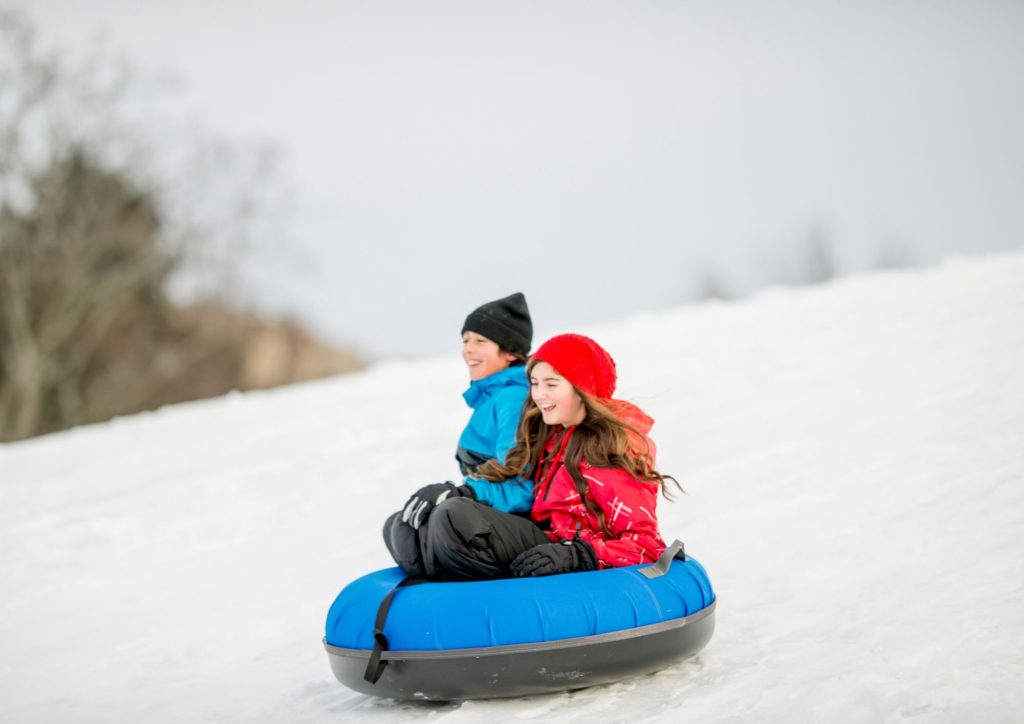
417	510
547	558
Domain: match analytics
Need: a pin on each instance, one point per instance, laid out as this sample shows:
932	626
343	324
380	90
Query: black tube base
526	669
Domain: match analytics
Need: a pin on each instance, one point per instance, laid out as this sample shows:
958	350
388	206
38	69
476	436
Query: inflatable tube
522	636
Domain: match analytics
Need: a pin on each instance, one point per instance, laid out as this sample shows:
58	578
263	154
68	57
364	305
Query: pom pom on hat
582	361
505	321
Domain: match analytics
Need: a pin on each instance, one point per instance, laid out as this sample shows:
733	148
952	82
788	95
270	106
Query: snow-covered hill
853	454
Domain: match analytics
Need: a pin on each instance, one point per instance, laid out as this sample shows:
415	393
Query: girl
496	339
594	480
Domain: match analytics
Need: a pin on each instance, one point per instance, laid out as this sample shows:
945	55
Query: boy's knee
455	515
404	544
457	507
457	544
456	522
388	525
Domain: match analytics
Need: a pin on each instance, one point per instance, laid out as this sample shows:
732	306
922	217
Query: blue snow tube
521	636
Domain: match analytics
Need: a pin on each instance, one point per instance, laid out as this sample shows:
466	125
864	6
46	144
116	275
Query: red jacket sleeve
630	513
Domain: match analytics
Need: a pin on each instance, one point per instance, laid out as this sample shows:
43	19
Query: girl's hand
548	558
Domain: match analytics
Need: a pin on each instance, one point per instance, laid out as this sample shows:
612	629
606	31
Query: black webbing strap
676	550
375	666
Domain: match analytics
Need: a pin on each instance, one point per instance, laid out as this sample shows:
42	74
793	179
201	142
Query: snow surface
853	454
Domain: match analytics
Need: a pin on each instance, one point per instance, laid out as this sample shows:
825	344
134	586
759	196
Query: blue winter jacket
497	402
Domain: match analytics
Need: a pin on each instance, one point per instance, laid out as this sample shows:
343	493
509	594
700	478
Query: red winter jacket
629	506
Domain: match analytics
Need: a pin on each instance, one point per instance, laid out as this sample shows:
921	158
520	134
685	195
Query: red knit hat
582	361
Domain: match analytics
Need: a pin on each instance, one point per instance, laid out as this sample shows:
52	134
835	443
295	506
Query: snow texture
853	455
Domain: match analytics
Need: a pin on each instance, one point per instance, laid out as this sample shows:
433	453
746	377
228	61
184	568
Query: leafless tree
93	225
79	238
79	262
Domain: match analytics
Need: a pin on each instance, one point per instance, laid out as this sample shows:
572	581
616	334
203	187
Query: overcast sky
602	157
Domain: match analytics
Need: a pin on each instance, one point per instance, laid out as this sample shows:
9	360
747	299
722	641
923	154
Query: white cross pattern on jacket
619	506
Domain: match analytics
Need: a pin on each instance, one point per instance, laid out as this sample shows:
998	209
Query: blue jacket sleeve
510	496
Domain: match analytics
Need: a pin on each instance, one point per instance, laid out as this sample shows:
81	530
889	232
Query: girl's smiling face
558	401
482	356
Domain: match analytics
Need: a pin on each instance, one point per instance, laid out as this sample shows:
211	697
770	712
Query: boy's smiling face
482	356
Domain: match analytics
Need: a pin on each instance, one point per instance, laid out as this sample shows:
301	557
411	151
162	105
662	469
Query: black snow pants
461	540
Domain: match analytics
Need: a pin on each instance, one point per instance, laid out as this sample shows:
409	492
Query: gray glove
423	501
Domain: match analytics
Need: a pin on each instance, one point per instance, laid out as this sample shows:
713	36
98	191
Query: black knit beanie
505	321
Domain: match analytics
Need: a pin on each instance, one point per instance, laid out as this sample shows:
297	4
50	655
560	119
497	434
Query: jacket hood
630	413
480	390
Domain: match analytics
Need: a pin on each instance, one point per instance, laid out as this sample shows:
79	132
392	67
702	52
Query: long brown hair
603	439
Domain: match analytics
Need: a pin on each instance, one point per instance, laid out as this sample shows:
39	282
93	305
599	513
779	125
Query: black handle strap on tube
375	666
676	550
